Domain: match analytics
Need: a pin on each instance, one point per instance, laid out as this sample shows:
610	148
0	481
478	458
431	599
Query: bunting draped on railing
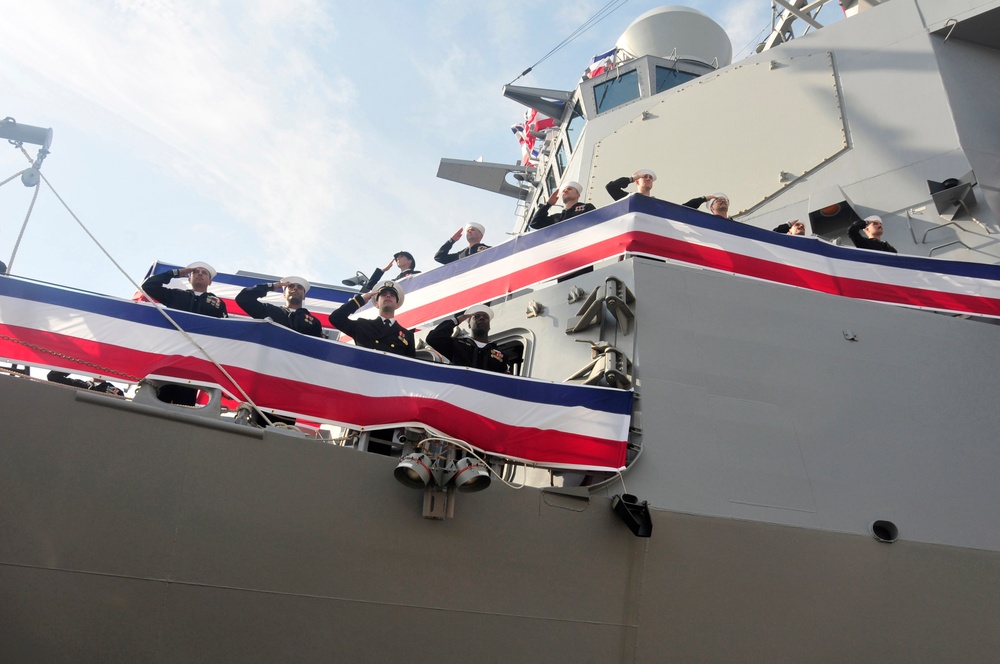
646	226
553	424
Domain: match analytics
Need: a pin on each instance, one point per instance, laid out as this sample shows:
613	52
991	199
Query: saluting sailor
292	315
197	300
474	233
643	179
478	352
382	333
572	206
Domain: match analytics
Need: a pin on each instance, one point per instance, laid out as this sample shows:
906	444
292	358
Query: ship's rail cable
31	207
601	14
752	44
159	307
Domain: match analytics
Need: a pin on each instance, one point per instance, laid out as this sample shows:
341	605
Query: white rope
15	175
159	307
34	197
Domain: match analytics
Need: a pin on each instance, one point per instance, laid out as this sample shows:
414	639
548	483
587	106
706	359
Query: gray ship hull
131	533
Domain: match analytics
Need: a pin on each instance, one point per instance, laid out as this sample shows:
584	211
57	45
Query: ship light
434	469
471	476
414	471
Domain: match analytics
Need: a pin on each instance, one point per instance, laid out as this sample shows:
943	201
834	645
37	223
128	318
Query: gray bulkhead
772	403
872	107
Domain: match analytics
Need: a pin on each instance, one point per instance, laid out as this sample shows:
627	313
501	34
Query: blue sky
280	136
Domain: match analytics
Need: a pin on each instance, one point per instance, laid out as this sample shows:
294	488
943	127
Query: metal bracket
608	364
616	297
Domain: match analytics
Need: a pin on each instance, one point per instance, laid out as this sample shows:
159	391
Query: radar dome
693	34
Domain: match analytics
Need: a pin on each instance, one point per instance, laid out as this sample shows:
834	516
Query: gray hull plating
134	535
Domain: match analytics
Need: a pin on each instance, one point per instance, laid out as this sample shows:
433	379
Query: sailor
197	300
791	227
872	238
478	352
403	260
382	333
292	315
718	204
643	178
473	234
572	206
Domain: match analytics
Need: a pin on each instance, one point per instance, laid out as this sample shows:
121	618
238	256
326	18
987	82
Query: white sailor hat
576	185
205	266
392	286
479	309
479	227
643	171
300	281
872	218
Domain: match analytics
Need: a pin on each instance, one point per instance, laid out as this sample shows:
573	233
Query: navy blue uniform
206	304
374	334
464	351
299	319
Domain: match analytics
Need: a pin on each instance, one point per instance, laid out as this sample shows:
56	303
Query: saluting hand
458	234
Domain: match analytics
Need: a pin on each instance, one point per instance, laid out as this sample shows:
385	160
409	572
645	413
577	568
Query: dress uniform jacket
442	256
299	319
541	218
373	333
464	351
207	304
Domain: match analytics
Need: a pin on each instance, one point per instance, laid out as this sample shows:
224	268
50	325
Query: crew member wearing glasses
872	236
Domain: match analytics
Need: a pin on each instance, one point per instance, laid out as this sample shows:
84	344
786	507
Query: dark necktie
386	323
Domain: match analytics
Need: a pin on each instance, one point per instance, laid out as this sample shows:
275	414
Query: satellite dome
693	34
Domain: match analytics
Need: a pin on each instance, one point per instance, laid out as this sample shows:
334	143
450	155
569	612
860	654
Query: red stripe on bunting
691	253
514	281
342	407
759	268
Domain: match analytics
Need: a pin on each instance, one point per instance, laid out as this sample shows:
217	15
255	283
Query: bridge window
550	181
617	90
561	157
574	127
668	77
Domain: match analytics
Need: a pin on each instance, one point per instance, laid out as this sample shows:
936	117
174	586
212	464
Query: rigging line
607	10
598	16
753	42
158	306
34	197
14	176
